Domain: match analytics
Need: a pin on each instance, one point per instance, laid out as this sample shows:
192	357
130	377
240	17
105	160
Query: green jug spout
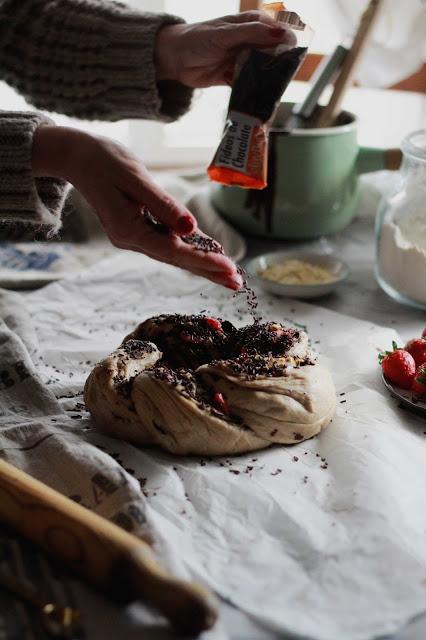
372	159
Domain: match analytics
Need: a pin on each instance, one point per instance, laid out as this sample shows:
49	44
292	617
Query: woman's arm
27	200
92	59
118	190
99	59
86	58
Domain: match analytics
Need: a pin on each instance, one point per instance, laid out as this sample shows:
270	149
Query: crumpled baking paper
324	540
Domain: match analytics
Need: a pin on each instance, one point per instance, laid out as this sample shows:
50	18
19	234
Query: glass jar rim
414	145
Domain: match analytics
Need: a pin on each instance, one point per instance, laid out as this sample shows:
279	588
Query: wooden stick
104	554
345	79
248	5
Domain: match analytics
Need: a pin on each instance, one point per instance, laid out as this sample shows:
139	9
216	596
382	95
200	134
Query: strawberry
419	384
213	323
221	403
417	348
398	366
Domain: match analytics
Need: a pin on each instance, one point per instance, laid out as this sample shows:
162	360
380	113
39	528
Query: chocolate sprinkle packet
261	78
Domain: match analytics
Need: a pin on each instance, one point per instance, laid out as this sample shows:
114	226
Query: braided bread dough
197	385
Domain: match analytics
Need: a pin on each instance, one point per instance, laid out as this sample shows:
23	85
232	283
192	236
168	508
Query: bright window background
209	106
192	139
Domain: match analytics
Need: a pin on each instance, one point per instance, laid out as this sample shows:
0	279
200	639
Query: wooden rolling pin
329	114
108	557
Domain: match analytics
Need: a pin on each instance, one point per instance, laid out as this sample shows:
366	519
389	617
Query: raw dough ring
265	388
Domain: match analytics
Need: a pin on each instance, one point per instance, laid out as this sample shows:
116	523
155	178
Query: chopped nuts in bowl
297	275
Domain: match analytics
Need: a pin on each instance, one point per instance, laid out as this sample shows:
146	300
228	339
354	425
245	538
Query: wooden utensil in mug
329	114
98	550
324	75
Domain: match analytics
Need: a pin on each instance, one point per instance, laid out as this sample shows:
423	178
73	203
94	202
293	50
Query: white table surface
381	123
361	297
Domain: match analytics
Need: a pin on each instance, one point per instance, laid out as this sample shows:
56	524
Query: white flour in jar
402	255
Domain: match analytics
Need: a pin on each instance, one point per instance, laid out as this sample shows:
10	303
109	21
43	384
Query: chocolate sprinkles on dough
124	385
189	341
137	348
214	378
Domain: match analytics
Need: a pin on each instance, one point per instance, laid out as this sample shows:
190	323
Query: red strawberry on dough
214	323
221	403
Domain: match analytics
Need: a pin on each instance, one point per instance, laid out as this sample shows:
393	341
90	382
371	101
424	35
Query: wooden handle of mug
100	551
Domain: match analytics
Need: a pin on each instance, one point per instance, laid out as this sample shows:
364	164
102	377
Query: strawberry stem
422	376
384	354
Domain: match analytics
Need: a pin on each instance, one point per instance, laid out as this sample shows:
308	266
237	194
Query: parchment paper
324	539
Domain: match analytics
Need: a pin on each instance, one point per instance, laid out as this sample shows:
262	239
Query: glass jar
401	228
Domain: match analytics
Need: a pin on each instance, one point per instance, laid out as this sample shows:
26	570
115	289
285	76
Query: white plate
28	265
338	268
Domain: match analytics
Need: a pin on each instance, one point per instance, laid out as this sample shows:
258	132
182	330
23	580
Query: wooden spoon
329	114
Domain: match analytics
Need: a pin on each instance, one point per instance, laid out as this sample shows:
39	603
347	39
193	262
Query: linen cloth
323	540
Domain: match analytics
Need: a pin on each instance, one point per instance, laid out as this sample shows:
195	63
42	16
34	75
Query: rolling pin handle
190	608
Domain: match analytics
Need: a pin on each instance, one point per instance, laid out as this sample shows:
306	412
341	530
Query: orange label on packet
239	158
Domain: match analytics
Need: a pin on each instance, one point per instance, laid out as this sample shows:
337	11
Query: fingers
250	16
128	229
172	250
255	34
228	73
143	190
217	278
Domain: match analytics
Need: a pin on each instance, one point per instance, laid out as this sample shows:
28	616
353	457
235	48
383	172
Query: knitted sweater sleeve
91	59
26	201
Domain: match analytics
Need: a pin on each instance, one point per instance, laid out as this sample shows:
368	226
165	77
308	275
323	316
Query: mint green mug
313	181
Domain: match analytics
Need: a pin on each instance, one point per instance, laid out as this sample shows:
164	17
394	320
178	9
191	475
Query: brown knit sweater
91	59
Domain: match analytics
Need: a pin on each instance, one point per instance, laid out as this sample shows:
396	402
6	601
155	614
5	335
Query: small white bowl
338	269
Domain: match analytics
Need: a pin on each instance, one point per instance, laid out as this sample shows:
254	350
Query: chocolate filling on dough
189	341
211	387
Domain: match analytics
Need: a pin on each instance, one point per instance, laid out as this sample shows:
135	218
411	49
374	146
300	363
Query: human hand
118	187
204	54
